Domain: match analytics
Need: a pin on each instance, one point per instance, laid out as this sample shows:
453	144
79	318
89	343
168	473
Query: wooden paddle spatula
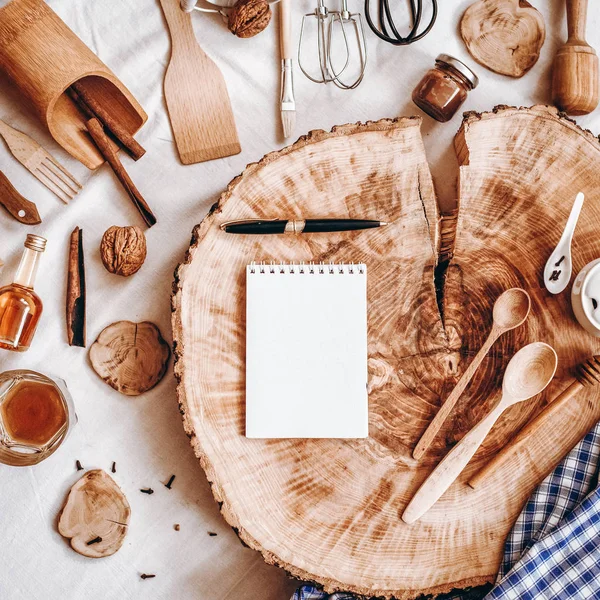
196	95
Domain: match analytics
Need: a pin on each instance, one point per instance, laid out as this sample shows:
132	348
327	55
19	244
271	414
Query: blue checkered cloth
553	549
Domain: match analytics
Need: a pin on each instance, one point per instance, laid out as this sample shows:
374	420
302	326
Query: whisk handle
285	18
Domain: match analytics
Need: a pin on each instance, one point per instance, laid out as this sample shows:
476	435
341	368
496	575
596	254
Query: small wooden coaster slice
96	515
131	357
505	36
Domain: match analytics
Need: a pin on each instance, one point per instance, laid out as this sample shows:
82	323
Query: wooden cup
43	57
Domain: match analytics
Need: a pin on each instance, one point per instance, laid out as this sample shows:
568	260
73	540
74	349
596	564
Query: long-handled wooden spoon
587	375
529	371
510	310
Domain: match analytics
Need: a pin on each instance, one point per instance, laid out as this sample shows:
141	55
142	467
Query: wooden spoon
529	371
559	267
510	310
196	95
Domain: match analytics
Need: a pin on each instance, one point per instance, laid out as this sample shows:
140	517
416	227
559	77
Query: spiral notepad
306	351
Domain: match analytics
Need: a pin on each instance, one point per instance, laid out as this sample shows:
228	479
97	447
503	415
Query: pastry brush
288	103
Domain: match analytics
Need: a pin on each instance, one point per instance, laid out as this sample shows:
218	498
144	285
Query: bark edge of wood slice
95	508
505	36
130	357
332	507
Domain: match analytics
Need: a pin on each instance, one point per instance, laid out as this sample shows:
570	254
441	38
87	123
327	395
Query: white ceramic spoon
529	371
559	267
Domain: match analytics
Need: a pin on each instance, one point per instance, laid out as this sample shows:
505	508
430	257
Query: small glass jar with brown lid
444	88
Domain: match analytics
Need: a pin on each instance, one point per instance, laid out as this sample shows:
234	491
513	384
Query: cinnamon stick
76	291
101	140
92	108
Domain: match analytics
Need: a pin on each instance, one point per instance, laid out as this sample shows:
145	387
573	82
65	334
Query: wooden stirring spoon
529	371
510	310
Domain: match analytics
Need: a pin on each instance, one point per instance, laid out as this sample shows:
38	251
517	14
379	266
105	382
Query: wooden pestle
575	69
587	374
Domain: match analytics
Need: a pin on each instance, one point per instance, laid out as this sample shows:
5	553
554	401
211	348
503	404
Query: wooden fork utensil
20	208
40	163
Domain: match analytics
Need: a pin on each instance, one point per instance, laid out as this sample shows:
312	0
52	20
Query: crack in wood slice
329	510
505	36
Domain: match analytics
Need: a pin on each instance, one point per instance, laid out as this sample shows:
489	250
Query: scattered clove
147	575
170	482
212	533
147	491
176	527
96	540
557	264
555	275
114	467
594	303
78	465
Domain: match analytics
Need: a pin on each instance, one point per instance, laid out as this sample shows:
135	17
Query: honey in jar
444	88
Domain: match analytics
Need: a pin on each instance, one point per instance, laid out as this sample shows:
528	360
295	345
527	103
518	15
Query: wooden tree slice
96	515
131	357
329	510
505	36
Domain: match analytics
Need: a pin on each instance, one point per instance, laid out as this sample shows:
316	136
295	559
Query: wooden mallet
587	375
575	69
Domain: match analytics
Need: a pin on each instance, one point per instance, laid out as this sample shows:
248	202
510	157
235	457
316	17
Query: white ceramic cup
585	297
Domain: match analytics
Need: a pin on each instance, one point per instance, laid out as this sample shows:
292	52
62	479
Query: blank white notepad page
306	351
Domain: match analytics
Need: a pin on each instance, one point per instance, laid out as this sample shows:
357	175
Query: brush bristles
288	120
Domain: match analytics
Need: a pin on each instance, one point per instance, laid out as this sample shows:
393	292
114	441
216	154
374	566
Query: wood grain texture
575	79
130	357
43	57
196	95
505	36
330	510
96	508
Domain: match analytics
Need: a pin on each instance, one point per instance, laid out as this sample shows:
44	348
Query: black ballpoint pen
275	226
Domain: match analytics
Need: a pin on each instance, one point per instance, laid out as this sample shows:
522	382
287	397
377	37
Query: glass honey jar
36	414
444	88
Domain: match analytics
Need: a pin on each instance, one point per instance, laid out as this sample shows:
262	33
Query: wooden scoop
529	371
575	70
510	310
196	95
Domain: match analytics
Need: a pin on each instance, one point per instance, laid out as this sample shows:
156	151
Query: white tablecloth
144	435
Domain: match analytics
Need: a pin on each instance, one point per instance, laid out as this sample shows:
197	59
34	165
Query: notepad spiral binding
306	268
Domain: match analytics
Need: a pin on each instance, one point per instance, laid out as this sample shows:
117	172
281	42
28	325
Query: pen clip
224	226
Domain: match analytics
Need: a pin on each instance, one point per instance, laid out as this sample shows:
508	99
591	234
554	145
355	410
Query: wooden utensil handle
577	19
442	414
285	20
513	447
15	203
450	468
178	22
103	143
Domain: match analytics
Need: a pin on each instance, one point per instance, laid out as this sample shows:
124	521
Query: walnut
249	17
123	250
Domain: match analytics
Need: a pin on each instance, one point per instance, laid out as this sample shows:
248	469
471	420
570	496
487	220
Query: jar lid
460	67
35	242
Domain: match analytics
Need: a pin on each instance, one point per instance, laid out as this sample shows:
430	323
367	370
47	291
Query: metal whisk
332	26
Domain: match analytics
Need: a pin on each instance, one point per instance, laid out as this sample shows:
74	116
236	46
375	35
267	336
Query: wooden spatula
196	95
20	208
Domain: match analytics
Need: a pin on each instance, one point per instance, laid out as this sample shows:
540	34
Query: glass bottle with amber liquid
20	306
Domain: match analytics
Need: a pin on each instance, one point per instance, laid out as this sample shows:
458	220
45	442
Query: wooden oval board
329	510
